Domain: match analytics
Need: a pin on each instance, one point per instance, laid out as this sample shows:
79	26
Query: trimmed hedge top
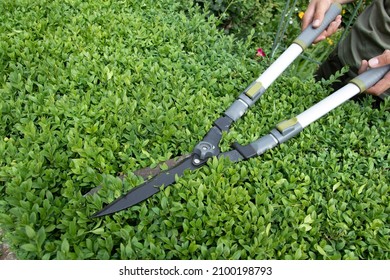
90	90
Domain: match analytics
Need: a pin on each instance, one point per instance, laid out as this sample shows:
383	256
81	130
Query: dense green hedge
93	89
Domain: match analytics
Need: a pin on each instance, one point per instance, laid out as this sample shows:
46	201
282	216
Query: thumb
380	60
318	18
319	13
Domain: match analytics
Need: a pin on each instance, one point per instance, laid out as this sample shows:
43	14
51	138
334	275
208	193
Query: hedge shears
209	146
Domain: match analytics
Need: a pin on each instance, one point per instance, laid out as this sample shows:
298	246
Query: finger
328	32
308	16
380	60
319	13
332	28
363	66
321	37
381	86
315	13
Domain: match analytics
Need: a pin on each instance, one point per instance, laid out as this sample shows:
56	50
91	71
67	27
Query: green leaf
200	192
236	255
336	186
65	246
320	250
361	189
41	237
298	254
267	230
308	219
193	247
5	219
30	232
50	228
219	249
29	247
164	202
98	231
305	227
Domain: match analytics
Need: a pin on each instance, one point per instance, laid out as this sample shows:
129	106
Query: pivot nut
204	150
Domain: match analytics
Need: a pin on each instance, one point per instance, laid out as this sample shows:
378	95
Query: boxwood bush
91	90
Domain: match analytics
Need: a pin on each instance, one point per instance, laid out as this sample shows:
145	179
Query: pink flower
260	52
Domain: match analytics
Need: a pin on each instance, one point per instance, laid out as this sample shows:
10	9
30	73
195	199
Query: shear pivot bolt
204	150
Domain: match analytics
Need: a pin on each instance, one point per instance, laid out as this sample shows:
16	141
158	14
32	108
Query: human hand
381	60
315	13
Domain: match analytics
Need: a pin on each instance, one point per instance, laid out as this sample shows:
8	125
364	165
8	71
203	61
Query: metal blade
148	188
233	156
148	172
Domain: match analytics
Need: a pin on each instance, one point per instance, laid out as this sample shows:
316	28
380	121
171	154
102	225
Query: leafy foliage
272	25
90	90
240	17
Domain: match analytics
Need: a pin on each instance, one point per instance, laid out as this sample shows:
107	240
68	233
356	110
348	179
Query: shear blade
148	188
